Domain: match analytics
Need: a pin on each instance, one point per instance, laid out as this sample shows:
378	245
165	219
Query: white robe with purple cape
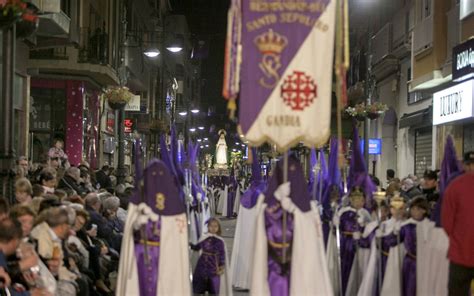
432	264
242	251
173	275
309	273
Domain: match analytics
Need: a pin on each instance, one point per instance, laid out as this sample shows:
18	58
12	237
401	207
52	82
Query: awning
419	118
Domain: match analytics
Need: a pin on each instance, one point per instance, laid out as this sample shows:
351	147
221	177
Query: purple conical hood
358	175
333	180
299	193
159	181
450	169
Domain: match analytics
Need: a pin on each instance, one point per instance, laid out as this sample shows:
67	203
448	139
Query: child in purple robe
212	261
350	228
419	210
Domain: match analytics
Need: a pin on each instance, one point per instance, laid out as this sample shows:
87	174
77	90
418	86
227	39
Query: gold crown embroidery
160	201
271	42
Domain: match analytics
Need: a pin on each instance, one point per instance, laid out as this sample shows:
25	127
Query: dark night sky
207	20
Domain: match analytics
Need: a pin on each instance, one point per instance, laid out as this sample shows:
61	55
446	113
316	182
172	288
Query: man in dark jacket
103	178
72	180
429	187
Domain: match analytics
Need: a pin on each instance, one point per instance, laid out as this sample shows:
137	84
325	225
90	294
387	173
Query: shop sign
110	125
463	60
128	125
375	146
453	103
134	104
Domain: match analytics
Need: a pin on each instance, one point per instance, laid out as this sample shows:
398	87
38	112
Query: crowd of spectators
61	232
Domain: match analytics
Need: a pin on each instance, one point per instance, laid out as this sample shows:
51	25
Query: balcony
63	62
401	35
54	25
47	6
423	37
383	62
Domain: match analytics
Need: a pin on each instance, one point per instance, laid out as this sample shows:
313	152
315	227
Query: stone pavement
228	231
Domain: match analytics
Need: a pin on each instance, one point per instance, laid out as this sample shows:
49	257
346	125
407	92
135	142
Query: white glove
378	233
360	220
356	235
282	191
145	214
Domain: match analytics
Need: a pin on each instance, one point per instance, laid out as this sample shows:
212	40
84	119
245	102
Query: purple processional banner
282	51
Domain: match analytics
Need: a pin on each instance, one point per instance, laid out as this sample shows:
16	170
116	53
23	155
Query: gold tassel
232	107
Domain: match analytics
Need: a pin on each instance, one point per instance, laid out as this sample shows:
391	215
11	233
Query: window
427	8
66	7
47	119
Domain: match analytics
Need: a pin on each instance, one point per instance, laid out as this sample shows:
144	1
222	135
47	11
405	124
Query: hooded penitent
154	256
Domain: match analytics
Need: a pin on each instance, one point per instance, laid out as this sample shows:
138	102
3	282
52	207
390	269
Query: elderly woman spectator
111	205
23	191
104	230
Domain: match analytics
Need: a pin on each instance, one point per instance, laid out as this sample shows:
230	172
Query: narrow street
228	231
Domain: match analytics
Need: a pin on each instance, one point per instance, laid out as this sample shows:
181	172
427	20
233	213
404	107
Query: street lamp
195	110
201	127
192	129
174	49
183	113
152	52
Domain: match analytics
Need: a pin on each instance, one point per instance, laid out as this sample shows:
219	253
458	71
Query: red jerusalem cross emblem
298	90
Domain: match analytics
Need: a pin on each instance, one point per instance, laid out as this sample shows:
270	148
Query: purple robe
206	276
278	271
385	251
250	197
408	238
148	270
348	225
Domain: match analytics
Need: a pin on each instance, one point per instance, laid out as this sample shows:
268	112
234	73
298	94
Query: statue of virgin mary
221	151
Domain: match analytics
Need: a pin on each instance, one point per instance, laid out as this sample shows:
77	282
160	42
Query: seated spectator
23	163
23	191
103	177
47	179
25	216
4	208
14	271
84	244
110	207
49	236
61	194
104	231
72	180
